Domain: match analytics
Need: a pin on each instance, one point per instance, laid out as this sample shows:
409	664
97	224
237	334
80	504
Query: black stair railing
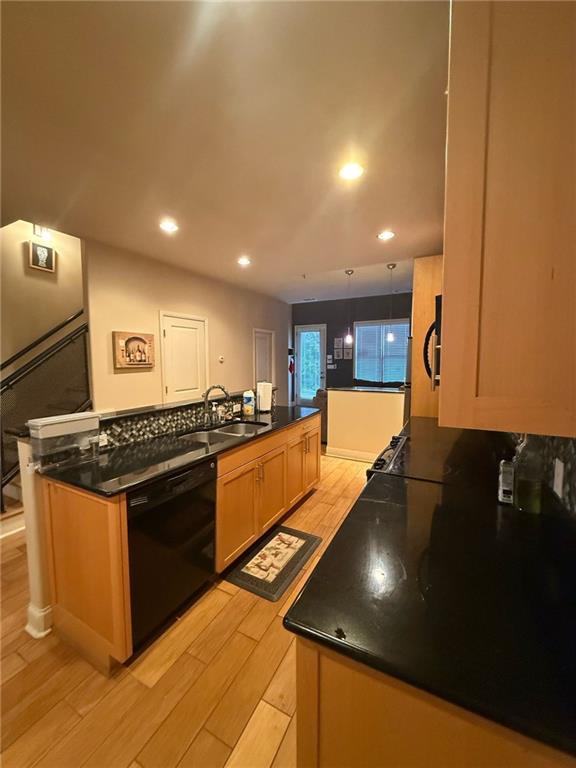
54	382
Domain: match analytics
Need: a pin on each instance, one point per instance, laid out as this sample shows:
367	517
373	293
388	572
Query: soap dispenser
529	474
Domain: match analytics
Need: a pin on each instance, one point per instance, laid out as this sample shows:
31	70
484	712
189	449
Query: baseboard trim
39	621
345	453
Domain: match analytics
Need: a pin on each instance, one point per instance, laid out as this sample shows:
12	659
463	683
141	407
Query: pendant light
390	334
348	339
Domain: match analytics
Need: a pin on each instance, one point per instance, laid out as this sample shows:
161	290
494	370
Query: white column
40	605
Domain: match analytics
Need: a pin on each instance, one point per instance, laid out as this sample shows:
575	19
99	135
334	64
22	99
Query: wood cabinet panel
427	284
236	519
382	722
271	502
295	470
509	315
88	562
311	459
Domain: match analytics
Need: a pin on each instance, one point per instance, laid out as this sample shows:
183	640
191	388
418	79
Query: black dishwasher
171	531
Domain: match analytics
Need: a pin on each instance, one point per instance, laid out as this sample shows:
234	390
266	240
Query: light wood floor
218	689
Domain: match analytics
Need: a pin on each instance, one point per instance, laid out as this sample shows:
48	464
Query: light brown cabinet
311	459
237	524
87	545
260	482
271	500
295	470
509	307
382	722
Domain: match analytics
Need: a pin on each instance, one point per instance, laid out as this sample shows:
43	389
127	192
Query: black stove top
425	451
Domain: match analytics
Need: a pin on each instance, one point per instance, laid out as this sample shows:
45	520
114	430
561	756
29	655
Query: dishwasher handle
155	493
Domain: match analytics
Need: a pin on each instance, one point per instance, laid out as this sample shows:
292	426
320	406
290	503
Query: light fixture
42	232
349	339
351	171
386	234
390	335
244	261
169	226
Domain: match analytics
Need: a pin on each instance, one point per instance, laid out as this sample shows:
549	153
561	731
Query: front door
183	357
310	361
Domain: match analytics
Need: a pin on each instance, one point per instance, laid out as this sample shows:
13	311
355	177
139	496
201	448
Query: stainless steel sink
208	438
241	429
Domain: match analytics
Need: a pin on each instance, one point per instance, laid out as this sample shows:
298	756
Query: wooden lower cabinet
87	543
271	500
311	459
295	470
279	470
236	523
351	715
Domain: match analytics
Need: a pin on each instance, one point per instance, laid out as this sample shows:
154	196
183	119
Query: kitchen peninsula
360	418
213	493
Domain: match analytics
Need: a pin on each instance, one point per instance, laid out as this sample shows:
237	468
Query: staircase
51	382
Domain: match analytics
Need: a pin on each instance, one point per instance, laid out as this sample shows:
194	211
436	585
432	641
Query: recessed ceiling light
244	261
351	171
386	234
169	226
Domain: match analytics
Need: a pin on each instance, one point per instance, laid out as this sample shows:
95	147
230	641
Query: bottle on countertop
248	401
529	474
506	482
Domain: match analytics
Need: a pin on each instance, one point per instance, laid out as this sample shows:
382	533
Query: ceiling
233	118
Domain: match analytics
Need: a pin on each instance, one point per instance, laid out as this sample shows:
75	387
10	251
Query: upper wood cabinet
509	308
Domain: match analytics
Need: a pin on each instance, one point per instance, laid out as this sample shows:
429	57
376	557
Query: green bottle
529	474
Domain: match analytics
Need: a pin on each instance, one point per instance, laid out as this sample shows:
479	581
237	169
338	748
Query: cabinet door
509	314
295	470
236	523
271	488
311	459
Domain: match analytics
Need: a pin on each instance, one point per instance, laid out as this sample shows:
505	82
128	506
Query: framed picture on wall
133	350
41	256
348	354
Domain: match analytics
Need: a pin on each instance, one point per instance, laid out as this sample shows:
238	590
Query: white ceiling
234	119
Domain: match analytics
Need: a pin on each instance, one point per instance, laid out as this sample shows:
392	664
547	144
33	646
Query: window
377	356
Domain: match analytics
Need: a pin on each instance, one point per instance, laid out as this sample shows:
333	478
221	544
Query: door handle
260	472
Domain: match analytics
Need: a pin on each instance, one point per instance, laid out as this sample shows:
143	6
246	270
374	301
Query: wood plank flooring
218	689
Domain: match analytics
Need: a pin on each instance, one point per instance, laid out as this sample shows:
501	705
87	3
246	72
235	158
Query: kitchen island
439	629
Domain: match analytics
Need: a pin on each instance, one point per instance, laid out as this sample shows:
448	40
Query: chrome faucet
206	395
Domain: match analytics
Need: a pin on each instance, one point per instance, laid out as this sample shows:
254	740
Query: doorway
184	357
264	342
310	361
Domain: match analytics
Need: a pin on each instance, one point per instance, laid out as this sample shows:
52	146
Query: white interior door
184	357
310	361
263	355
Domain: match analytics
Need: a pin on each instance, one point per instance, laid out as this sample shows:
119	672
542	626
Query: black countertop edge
368	390
374	662
92	476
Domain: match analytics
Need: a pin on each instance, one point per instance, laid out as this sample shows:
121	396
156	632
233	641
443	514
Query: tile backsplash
563	448
131	429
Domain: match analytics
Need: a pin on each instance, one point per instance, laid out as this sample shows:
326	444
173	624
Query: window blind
376	357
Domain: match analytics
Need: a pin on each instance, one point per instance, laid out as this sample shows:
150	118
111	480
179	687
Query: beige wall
35	301
126	292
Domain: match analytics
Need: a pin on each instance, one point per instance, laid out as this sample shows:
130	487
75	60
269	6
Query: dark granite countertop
440	586
122	469
395	390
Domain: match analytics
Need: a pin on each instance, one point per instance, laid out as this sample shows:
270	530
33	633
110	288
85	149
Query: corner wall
126	292
34	301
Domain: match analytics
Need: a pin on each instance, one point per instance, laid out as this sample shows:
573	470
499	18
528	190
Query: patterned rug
271	565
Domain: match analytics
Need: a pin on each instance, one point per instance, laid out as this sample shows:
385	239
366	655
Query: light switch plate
558	477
